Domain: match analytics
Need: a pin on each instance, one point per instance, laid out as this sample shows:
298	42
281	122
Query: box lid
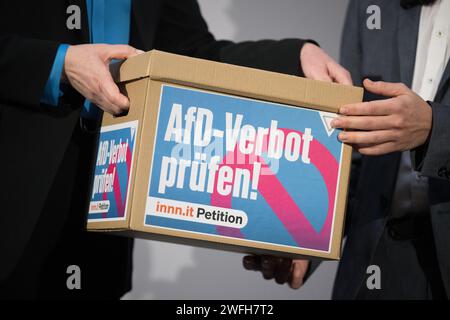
231	79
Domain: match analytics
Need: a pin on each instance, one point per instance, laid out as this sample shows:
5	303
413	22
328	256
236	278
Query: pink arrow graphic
278	198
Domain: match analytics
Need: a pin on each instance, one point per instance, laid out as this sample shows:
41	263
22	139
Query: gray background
168	271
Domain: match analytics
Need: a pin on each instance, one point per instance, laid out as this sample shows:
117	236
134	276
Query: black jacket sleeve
433	158
183	30
25	65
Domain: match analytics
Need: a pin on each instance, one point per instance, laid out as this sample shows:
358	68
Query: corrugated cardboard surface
242	81
143	77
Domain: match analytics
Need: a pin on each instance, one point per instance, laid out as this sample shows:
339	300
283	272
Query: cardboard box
223	156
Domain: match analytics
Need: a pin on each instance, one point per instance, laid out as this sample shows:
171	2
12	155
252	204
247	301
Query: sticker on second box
187	211
113	169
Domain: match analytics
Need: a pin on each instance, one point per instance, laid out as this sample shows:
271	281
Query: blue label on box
112	174
246	169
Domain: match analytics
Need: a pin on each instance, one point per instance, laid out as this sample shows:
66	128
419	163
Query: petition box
223	156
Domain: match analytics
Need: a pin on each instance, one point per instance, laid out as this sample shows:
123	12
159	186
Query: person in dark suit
52	78
399	206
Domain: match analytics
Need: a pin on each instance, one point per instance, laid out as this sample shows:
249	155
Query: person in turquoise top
55	83
109	22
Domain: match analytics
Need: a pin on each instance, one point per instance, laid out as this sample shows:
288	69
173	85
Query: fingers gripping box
223	156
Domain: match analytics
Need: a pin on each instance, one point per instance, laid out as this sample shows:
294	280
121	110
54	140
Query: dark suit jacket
34	137
389	54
